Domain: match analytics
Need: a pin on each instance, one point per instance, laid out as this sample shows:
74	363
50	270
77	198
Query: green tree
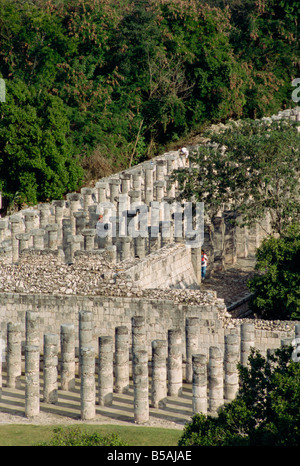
265	411
276	285
252	166
36	154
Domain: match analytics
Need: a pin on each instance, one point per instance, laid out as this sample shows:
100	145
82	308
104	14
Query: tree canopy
265	411
129	77
252	166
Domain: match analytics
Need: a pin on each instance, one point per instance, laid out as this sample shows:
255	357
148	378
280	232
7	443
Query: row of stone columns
214	376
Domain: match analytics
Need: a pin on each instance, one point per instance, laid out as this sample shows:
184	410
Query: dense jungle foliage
93	86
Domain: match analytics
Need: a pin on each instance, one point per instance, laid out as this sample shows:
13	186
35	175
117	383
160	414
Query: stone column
29	216
101	187
140	246
231	359
160	170
215	378
32	381
159	373
74	245
121	359
159	190
13	354
15	229
191	334
174	362
50	392
38	235
23	239
138	334
67	365
105	372
52	230
59	213
141	387
85	330
247	342
125	247
81	221
112	253
44	214
199	387
87	198
32	328
87	383
136	180
114	185
3	227
125	182
75	205
89	239
196	261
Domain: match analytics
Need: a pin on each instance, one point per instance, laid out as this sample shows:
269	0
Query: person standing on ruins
203	264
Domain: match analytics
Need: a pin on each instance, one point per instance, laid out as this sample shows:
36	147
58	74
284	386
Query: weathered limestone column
59	213
199	387
32	381
38	235
66	232
196	261
174	362
23	239
50	392
52	230
105	372
44	214
15	229
74	245
159	190
247	341
125	247
101	187
231	359
114	189
159	373
121	359
112	253
29	216
192	331
87	198
32	328
139	341
81	221
160	169
75	205
85	330
141	386
67	365
125	182
140	246
89	239
3	228
13	354
215	378
87	383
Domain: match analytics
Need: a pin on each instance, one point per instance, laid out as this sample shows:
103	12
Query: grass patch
30	435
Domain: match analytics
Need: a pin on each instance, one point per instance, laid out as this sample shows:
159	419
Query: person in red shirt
203	264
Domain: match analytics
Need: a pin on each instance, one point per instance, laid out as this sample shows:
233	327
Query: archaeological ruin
101	295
